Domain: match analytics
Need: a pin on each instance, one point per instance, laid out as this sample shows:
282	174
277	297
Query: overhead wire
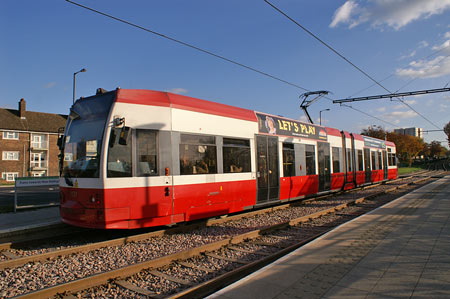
447	84
189	45
382	120
391	75
344	58
415	78
210	53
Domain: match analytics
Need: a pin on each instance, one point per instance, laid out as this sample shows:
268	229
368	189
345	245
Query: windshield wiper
68	181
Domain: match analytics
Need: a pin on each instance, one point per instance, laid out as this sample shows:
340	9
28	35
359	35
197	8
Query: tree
426	150
374	131
447	132
436	149
407	147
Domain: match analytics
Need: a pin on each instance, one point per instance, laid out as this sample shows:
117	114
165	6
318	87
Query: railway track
441	164
40	247
158	250
61	231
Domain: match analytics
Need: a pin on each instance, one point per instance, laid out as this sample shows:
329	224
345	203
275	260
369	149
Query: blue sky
406	41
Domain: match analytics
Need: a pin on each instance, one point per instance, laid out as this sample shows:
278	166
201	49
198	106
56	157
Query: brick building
28	143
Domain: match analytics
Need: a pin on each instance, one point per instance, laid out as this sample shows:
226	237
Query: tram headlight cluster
95	199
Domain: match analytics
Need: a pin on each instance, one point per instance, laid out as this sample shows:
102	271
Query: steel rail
123	272
18	261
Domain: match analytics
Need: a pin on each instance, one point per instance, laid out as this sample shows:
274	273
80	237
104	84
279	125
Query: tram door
323	151
367	168
354	164
268	177
385	168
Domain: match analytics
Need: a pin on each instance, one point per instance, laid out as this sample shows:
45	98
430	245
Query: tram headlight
95	199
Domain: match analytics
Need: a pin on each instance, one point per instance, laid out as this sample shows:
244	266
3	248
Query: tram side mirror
123	138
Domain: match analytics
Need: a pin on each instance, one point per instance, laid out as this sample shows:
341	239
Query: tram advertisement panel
279	126
376	143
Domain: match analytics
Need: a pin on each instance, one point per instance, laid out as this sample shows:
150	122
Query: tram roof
167	99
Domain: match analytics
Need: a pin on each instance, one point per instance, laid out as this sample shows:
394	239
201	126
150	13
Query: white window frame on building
9	176
11	135
10	156
38	141
39	154
39	162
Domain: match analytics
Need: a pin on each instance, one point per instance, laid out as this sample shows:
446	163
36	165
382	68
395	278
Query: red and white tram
139	158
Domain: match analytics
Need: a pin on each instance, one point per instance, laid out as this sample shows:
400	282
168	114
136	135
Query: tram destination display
375	143
273	125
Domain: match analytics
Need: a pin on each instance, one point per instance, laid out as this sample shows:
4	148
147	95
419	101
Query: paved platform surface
399	250
23	220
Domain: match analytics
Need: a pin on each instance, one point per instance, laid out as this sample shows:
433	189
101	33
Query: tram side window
198	154
288	159
380	161
336	159
146	152
310	154
236	155
374	164
360	160
349	160
119	156
391	157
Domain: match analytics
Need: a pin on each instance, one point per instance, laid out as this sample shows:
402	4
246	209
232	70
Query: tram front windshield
83	136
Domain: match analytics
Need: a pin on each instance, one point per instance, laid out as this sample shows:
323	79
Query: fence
22	183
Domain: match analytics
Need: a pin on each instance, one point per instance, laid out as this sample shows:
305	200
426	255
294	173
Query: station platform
401	249
22	221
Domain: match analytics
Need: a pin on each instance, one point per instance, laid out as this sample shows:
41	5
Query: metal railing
21	183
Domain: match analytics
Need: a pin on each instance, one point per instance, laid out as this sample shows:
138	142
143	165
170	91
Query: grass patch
406	170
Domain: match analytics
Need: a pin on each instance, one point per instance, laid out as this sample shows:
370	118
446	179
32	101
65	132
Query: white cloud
423	44
396	115
50	85
381	109
443	107
392	13
440	66
398	106
178	90
410	102
410	55
344	14
444	45
429	68
447	35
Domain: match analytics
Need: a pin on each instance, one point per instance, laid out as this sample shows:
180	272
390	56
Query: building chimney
22	106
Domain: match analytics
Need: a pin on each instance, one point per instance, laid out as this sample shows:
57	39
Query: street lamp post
320	115
74	74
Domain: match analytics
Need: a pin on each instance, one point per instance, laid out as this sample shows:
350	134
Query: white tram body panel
139	158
